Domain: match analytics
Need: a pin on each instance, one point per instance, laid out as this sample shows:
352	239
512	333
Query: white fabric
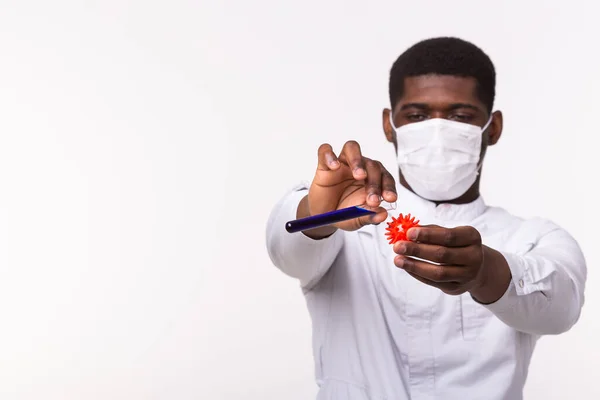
380	334
439	158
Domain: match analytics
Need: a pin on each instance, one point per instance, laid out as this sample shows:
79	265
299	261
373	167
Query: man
387	324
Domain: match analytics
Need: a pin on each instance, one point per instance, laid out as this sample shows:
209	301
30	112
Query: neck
469	196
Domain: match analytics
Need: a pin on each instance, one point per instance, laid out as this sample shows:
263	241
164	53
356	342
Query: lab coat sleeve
296	254
546	292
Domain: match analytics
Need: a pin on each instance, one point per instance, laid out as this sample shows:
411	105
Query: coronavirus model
397	228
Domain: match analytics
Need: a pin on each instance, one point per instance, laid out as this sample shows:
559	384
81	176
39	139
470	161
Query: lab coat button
521	283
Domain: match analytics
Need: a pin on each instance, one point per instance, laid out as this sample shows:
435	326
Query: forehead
440	90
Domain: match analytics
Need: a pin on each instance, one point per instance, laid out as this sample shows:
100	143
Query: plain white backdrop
143	144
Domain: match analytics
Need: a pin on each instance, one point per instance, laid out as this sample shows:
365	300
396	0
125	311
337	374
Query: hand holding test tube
347	192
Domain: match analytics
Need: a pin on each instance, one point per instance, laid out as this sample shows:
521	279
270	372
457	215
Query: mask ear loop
487	125
390	117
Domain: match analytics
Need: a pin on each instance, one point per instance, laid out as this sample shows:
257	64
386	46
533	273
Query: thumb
374	219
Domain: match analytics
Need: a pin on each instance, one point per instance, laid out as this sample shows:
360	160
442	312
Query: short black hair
445	56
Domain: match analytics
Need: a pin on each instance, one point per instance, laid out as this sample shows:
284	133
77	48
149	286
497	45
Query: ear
390	135
495	129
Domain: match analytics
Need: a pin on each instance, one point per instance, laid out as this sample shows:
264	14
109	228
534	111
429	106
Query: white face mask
439	158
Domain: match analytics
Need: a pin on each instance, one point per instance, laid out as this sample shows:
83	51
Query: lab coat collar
409	202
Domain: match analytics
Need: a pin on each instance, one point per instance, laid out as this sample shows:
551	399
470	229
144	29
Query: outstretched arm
540	292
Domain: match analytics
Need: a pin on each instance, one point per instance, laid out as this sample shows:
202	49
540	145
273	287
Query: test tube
333	217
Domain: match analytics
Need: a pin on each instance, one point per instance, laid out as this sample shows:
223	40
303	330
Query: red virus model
397	229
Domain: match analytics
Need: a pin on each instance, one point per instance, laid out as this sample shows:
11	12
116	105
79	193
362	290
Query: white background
143	144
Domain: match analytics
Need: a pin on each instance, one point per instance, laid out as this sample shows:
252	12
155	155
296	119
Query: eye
416	117
461	117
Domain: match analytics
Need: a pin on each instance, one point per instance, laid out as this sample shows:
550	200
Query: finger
373	182
327	158
388	184
432	272
448	288
449	237
351	153
439	254
380	215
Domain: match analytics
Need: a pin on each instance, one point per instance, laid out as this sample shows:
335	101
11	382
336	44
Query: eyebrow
464	105
421	106
454	106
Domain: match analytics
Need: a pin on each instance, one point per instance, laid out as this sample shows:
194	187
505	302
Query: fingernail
359	171
399	261
412	234
374	198
333	163
400	248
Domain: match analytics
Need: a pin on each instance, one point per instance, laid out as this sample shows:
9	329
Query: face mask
439	158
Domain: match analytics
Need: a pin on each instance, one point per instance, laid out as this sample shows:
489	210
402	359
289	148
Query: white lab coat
380	334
